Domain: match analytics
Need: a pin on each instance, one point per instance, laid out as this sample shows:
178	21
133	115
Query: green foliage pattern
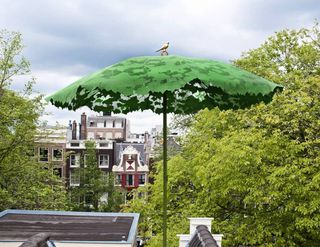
24	182
255	171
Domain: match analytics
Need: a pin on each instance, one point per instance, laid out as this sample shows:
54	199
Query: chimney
146	137
194	222
80	131
74	130
83	131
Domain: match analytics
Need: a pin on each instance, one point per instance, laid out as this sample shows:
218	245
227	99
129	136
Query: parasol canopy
190	84
165	84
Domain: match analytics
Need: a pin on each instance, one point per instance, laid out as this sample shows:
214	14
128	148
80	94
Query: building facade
104	130
50	149
117	151
131	166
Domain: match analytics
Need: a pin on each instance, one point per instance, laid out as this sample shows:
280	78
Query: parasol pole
164	52
165	176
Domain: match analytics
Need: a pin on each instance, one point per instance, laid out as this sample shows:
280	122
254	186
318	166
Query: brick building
117	150
50	148
105	130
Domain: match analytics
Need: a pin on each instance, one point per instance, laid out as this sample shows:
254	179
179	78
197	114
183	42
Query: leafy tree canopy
94	185
255	171
24	182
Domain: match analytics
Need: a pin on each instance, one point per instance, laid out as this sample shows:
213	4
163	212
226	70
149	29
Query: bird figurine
163	49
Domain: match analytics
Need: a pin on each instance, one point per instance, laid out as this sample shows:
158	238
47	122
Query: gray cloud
69	39
274	15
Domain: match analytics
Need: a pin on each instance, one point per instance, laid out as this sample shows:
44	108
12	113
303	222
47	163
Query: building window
57	154
85	158
129	180
74	160
90	135
118	124
118	135
88	199
142	179
57	172
104	198
75	144
43	154
100	125
117	179
74	178
103	160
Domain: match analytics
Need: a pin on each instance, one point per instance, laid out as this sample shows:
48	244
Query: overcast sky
66	40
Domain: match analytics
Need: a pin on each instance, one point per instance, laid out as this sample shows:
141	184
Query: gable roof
120	147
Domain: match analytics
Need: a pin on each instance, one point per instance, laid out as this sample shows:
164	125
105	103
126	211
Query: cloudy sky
66	40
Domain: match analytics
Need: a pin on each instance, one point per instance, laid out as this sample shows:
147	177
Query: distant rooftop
19	225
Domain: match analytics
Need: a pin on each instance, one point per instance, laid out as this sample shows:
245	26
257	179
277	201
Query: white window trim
104	198
77	160
53	158
115	180
73	184
107	161
145	179
85	160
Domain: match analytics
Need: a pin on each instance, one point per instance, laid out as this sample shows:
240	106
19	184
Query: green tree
256	171
116	196
24	182
94	185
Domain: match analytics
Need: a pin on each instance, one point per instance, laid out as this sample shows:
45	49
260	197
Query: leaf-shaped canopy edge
139	83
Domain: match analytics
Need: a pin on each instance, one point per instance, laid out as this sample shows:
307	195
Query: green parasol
165	84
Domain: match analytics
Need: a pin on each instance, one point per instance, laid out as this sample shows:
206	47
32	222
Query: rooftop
19	225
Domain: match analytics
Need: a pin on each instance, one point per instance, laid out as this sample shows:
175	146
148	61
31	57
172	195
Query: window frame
77	161
85	160
39	155
127	180
117	182
71	175
107	163
53	158
140	179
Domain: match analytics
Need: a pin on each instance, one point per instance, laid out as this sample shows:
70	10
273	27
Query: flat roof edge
75	213
131	235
